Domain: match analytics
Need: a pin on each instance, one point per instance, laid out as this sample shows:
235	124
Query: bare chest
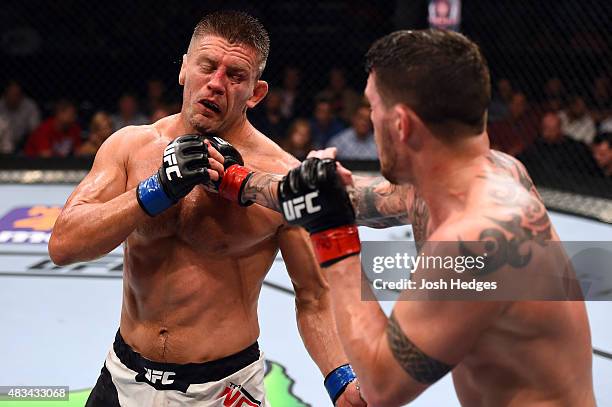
202	219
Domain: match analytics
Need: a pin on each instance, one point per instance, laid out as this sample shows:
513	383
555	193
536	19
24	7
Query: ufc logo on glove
170	159
293	209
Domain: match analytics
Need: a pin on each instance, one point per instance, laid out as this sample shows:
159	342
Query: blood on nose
217	81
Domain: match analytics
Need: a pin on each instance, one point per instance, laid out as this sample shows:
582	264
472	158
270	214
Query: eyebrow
230	68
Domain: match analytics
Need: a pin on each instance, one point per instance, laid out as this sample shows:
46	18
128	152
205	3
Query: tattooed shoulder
517	219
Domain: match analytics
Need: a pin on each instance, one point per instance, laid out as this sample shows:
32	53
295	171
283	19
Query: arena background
59	322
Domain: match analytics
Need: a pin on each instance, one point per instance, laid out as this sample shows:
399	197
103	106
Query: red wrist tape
335	244
233	182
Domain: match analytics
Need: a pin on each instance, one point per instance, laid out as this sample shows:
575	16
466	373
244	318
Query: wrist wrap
151	196
337	380
333	245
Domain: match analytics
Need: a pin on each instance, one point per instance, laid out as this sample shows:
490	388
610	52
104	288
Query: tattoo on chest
524	221
421	367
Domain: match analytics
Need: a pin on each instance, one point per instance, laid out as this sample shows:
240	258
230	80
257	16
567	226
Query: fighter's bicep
428	338
420	366
107	177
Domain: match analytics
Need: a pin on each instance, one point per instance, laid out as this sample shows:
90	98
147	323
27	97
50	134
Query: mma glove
312	196
235	175
185	164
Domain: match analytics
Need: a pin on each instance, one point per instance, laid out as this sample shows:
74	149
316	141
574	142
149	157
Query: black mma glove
235	176
228	151
184	165
312	196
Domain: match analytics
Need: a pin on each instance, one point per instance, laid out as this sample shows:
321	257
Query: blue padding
152	197
337	380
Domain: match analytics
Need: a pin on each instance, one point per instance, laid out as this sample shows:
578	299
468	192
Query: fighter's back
535	353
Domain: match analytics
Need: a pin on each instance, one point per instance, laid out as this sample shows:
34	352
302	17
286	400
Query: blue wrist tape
152	197
337	380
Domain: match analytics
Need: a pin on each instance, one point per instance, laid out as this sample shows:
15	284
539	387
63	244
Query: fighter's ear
260	92
402	121
182	71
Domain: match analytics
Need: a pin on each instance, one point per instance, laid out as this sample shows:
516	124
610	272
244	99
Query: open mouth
211	106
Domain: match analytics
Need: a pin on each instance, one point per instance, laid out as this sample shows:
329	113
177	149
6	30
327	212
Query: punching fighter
429	92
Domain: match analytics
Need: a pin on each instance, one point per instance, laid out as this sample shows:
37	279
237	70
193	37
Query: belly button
163	332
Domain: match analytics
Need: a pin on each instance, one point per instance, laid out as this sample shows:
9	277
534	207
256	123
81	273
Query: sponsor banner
29	224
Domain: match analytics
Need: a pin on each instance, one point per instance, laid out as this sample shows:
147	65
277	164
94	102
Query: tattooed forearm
420	221
422	368
378	203
261	188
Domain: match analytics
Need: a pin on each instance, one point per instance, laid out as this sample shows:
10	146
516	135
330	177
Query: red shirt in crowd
513	136
48	140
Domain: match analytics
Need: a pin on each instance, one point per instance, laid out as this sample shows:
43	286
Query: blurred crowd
293	117
559	135
61	133
563	138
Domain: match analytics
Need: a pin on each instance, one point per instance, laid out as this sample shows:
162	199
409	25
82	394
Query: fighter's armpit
378	203
421	367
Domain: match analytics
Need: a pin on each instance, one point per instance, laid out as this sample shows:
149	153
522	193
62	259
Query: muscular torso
193	274
535	353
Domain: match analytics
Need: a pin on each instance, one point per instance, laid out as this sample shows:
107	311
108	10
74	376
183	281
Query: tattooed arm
377	203
261	188
397	358
380	204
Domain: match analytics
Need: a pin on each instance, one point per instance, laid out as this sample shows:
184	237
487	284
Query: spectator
100	128
6	138
293	100
518	131
554	95
270	120
500	103
576	121
159	113
324	124
356	142
602	153
554	88
601	100
129	113
299	141
555	159
606	125
21	113
58	136
156	91
344	100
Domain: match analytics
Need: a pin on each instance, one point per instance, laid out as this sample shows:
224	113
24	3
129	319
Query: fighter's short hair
236	27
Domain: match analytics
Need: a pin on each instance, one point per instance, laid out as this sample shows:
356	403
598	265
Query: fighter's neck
234	133
445	177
